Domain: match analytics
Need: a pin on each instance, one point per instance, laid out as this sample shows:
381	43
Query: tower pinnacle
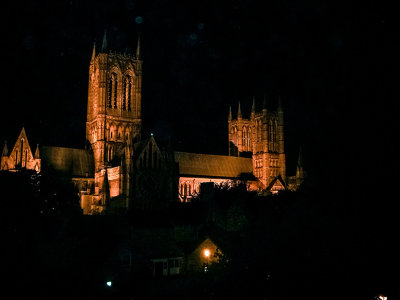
94	51
230	114
239	114
37	154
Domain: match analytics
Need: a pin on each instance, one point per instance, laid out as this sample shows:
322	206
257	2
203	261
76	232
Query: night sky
330	61
325	60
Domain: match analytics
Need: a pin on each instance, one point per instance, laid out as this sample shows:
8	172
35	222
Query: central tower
113	117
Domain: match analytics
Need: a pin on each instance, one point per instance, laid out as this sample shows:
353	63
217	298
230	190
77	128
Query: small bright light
109	283
206	253
151	134
381	297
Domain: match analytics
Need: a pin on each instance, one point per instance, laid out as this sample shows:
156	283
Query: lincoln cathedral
120	169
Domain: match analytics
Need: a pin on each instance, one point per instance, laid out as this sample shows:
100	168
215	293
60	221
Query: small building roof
216	166
68	161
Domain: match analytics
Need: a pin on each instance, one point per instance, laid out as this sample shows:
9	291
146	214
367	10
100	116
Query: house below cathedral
121	170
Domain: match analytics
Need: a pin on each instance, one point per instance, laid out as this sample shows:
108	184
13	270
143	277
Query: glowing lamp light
109	283
207	253
381	297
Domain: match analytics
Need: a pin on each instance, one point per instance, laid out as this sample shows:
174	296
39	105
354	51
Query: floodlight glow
206	253
109	283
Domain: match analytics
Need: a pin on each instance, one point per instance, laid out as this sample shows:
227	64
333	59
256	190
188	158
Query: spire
37	154
94	51
253	107
138	48
104	45
230	114
5	149
239	114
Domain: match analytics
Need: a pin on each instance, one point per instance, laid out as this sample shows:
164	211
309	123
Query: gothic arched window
21	152
244	137
112	91
126	102
115	88
249	139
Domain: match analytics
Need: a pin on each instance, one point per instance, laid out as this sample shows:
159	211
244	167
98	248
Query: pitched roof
68	161
278	181
217	166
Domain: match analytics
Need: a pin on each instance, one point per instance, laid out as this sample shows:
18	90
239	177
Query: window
112	90
249	139
127	94
244	137
115	87
124	96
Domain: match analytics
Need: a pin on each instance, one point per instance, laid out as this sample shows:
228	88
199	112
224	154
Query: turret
37	154
230	114
239	114
93	53
253	108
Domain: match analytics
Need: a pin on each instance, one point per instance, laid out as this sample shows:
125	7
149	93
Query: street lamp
207	253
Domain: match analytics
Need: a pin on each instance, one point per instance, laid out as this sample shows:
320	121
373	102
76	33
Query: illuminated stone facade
113	122
262	136
120	170
21	155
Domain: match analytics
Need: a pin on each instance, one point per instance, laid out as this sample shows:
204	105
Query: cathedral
120	169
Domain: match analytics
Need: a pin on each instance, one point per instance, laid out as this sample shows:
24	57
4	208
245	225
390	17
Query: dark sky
322	57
